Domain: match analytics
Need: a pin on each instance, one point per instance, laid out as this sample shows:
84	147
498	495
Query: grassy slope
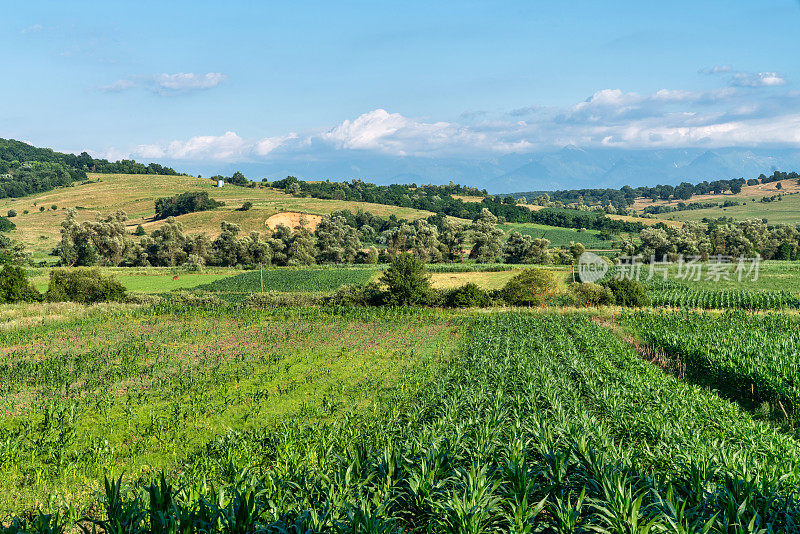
558	237
135	194
786	211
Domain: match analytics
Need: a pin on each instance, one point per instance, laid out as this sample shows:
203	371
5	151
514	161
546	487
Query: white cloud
761	79
32	29
179	83
268	144
666	118
717	69
188	81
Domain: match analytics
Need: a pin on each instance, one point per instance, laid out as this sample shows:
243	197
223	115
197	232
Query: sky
253	81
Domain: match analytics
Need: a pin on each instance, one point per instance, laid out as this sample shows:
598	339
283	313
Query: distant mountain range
570	167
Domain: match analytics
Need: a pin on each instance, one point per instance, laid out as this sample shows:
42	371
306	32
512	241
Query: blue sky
250	81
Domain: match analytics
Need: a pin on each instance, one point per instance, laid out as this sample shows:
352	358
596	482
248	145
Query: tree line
25	169
626	195
722	236
342	237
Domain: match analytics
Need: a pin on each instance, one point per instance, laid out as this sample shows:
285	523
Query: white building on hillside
220	183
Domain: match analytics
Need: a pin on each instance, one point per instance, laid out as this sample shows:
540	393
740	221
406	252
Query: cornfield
686	297
542	423
751	359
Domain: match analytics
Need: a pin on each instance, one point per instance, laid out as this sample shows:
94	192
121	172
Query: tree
337	241
451	240
301	249
486	236
15	287
531	287
238	179
407	280
140	231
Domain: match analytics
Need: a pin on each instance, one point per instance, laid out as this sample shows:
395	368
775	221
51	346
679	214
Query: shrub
83	285
589	294
466	296
352	295
628	292
246	206
407	280
14	286
6	225
54	207
140	231
12	213
41	208
25	212
531	287
184	203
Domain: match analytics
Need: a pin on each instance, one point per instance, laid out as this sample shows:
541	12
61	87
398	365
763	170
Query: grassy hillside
135	194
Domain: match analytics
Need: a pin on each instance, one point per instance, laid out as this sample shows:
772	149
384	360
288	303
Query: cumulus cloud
761	79
666	118
746	79
178	83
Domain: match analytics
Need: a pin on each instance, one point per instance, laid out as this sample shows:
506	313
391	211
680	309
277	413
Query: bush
140	231
589	294
83	285
184	203
531	287
6	225
14	286
12	213
466	296
352	295
628	292
246	206
407	280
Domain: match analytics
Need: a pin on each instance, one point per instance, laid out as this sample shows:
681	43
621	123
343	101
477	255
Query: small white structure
220	183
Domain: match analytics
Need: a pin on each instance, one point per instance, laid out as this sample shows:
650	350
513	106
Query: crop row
752	359
543	423
685	297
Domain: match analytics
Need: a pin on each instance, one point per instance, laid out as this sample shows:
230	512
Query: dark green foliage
83	285
352	295
15	287
467	296
184	203
140	231
628	292
12	213
246	206
407	280
589	294
6	225
531	287
25	169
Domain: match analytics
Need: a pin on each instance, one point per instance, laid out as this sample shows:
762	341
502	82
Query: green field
389	420
136	392
294	279
558	237
785	211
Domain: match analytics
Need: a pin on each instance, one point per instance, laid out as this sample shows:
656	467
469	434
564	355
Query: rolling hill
135	194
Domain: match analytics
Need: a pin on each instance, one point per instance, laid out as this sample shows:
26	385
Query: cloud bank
750	110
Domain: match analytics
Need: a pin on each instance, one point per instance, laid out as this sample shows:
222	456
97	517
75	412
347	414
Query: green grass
558	237
133	392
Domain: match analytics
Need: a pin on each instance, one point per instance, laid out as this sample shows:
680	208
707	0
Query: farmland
536	420
136	392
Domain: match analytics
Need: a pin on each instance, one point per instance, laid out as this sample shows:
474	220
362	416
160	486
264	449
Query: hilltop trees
184	203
